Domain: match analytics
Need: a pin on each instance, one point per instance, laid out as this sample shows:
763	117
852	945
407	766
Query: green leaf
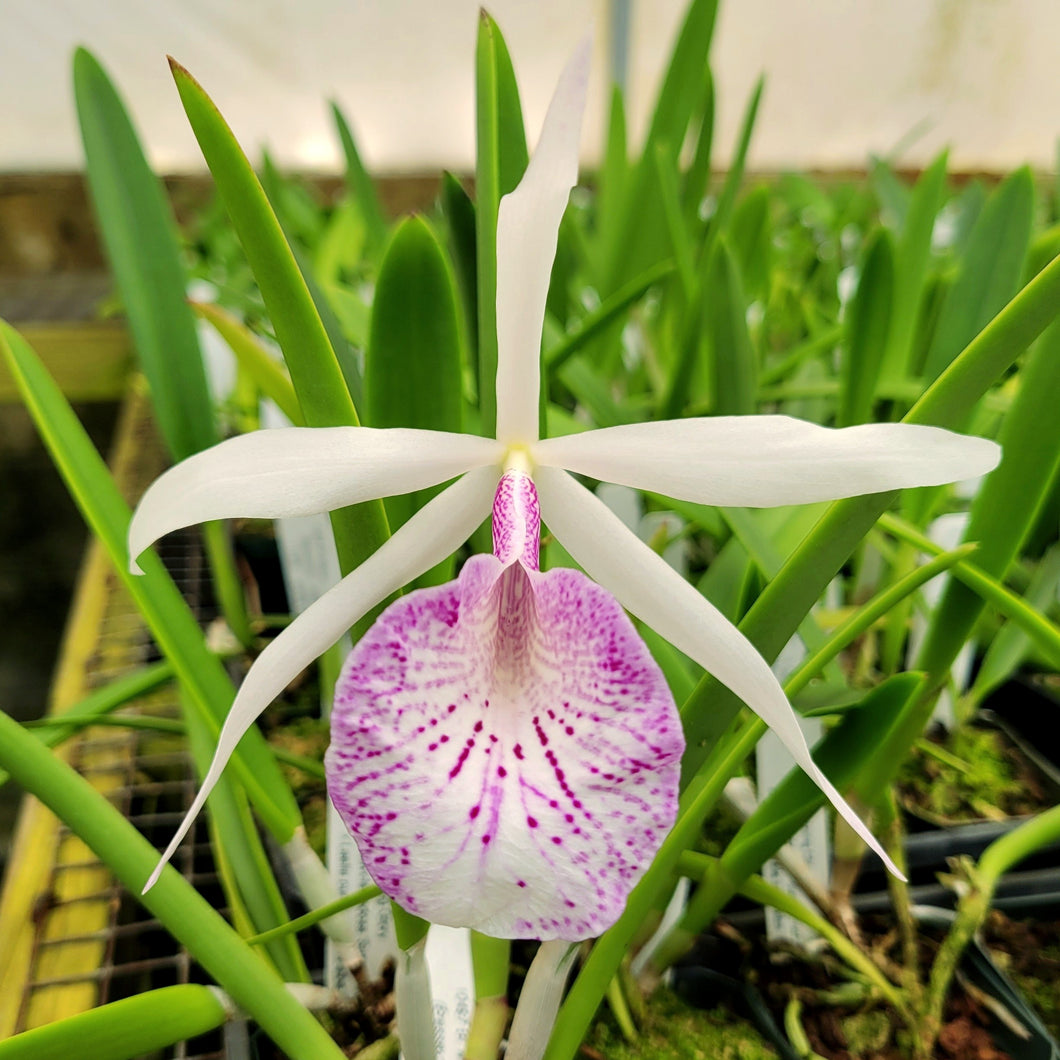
268	376
459	213
1006	506
340	251
1016	608
639	237
734	176
733	367
351	311
697	180
139	233
501	158
160	602
912	256
892	195
604	315
1011	644
299	331
784	602
359	183
990	270
867	331
412	366
318	380
682	88
143	1024
612	181
751	240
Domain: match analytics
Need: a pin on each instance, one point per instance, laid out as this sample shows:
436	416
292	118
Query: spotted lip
504	749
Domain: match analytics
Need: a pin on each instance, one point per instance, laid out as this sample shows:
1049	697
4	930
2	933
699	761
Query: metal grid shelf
71	937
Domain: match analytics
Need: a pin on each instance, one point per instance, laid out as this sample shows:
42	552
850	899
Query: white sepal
764	461
527	232
646	586
288	471
437	530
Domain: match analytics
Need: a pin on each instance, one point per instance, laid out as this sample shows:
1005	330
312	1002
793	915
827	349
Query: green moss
868	1032
303	736
973	774
676	1031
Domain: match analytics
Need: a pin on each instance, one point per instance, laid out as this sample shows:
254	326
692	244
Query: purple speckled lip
504	749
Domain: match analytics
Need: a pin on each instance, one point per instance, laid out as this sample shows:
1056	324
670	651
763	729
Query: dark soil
840	1025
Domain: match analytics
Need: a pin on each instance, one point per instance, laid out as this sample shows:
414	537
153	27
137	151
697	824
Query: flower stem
535	1014
490	958
365	894
226	582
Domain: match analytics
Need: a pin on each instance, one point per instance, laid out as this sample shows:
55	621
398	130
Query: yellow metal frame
58	900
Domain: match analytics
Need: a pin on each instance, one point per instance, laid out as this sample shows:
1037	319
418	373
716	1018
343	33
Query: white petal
527	231
299	470
645	585
762	461
434	532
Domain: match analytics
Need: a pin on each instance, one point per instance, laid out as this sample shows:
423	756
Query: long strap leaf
141	240
315	373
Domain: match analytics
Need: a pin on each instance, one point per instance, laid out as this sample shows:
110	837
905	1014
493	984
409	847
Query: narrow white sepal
271	474
527	232
415	1006
647	587
535	1015
434	532
763	461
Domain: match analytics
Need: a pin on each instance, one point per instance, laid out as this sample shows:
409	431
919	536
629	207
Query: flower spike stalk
504	749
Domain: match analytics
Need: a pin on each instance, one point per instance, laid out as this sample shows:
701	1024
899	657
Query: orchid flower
504	749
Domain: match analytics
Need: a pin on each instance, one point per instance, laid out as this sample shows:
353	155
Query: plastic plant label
809	846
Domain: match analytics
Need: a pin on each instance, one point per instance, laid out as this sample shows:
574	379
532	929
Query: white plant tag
810	844
374	933
452	987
